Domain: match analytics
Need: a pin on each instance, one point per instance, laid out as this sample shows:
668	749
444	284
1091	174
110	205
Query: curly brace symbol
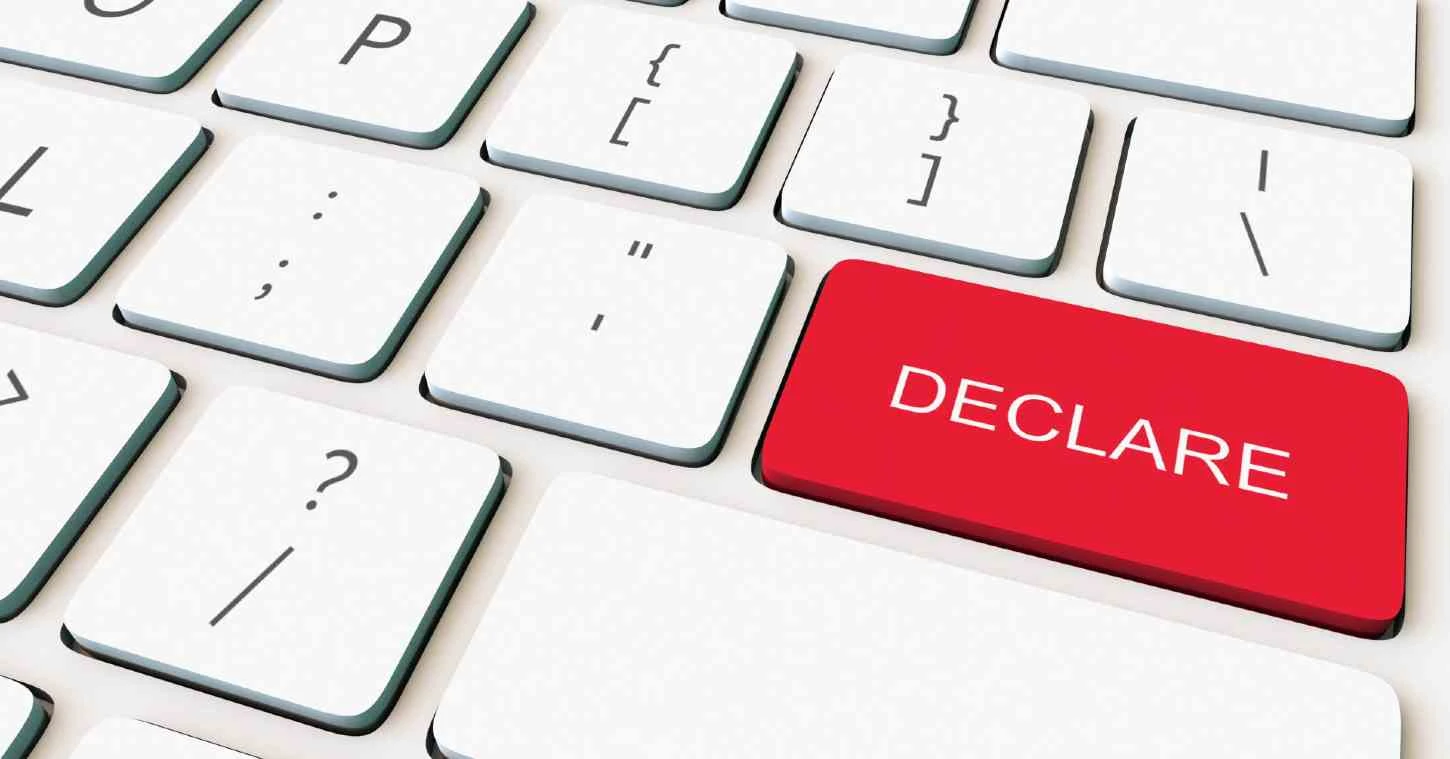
946	126
654	65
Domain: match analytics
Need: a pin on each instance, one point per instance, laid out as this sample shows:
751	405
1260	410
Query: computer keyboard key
975	169
624	329
116	738
407	75
1344	63
305	554
141	44
646	104
23	718
73	418
304	255
632	622
926	26
1246	474
61	227
1265	226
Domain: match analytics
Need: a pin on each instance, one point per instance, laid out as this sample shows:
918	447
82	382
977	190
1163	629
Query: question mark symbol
350	458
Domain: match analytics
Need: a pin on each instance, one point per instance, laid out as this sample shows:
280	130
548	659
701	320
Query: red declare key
1238	472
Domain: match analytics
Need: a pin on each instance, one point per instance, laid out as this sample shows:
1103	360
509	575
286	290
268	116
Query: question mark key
394	514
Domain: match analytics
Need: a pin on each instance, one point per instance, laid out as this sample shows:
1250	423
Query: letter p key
366	38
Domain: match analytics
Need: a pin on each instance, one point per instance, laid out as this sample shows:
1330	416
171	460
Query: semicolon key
335	260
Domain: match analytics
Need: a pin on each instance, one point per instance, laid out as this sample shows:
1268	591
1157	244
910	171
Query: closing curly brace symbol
934	159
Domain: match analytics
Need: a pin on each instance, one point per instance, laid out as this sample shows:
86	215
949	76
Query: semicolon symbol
267	286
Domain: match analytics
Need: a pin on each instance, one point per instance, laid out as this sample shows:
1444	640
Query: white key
1265	226
1345	63
926	26
22	719
407	75
704	632
970	168
116	738
305	552
646	104
61	226
72	420
305	255
624	329
142	44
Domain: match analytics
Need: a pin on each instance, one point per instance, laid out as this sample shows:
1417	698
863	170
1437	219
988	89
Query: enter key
1251	475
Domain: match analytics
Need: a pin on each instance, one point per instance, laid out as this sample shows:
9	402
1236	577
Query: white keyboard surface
585	110
700	631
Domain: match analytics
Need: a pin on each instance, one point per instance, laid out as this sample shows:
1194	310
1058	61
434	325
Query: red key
1247	474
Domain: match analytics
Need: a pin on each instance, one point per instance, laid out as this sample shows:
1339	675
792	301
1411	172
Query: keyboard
767	378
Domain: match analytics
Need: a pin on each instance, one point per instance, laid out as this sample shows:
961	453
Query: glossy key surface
1251	475
634	622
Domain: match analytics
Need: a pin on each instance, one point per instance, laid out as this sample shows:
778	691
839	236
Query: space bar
705	632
